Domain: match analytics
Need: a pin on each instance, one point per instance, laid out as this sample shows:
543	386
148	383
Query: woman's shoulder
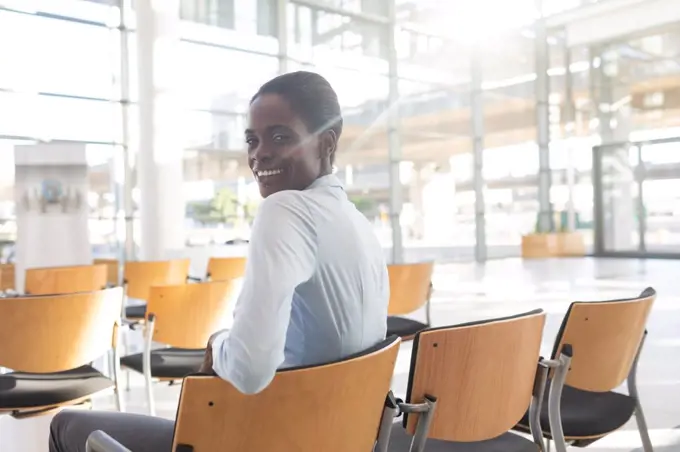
283	198
285	202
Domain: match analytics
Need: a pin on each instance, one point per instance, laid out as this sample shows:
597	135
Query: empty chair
139	276
62	280
468	386
224	268
50	349
6	277
606	340
410	289
112	269
332	407
182	317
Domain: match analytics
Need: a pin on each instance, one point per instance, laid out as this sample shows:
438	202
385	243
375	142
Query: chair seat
400	441
168	362
20	390
585	413
135	311
403	327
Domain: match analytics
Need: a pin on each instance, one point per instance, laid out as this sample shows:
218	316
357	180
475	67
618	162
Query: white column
415	188
159	159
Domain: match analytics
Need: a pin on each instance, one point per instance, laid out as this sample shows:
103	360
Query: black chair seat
22	390
136	311
400	441
585	413
403	327
168	362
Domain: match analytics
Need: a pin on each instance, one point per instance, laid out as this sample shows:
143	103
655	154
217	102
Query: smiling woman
294	126
315	287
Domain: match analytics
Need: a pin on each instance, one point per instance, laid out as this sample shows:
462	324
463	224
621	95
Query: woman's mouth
264	174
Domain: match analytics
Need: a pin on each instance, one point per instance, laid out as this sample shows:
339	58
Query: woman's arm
282	255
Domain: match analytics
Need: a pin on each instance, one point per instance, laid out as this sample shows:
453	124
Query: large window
218	79
59	118
39	54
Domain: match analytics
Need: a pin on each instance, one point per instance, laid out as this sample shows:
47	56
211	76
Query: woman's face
282	153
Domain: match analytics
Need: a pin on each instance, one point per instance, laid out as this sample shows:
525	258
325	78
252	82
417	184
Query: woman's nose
262	156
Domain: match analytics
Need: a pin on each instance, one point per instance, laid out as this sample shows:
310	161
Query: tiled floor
465	292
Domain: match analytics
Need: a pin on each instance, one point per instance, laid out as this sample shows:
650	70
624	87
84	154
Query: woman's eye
279	138
250	140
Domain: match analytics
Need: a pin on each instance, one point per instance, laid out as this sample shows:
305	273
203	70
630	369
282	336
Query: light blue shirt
315	288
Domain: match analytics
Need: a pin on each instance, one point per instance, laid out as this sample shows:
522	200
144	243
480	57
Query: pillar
545	215
569	128
160	150
125	178
419	178
477	119
394	146
282	33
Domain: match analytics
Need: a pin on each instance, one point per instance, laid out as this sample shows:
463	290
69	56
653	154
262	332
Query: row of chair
179	324
612	325
410	283
470	384
138	276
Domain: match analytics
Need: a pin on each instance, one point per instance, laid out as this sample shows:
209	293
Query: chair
410	289
50	350
7	277
182	317
330	407
63	280
113	270
224	268
606	340
468	386
139	276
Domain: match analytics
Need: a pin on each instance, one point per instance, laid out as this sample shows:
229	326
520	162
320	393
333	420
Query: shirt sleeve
281	256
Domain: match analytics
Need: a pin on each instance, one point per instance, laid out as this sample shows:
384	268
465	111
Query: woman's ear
328	143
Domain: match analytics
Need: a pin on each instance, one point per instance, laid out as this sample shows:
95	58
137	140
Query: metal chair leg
633	392
554	399
389	412
146	363
423	427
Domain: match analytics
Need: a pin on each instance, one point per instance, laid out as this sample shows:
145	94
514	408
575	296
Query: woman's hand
207	366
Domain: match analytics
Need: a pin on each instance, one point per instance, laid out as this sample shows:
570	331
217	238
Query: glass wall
60	81
61	78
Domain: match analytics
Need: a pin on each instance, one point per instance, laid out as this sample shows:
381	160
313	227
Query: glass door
637	199
661	196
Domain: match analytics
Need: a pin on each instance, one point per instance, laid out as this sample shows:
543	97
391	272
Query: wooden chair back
112	270
605	337
482	374
333	407
7	281
225	268
139	276
61	280
409	286
54	333
187	314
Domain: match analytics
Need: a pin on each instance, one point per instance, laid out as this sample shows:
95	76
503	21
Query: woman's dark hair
311	97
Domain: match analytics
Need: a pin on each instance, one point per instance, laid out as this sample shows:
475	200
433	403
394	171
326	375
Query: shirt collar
329	180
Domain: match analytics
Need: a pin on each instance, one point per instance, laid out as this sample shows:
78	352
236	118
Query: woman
316	286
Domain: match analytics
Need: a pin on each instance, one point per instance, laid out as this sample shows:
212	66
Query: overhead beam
615	20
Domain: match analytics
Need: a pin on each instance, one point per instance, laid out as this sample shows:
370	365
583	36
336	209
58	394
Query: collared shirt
315	288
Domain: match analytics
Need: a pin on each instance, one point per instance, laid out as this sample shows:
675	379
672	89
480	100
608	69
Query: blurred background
468	125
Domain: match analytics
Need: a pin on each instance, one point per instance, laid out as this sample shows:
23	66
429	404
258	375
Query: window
59	118
218	79
39	54
210	12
